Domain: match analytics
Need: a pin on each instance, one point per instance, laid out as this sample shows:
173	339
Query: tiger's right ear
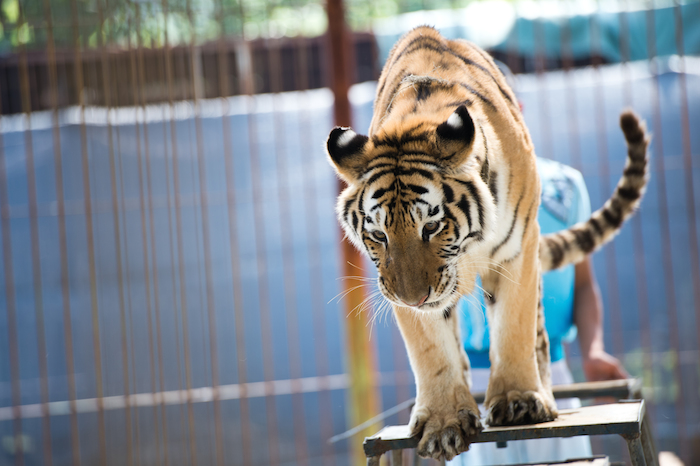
346	149
455	137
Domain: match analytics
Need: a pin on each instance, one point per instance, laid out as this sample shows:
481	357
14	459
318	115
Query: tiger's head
417	201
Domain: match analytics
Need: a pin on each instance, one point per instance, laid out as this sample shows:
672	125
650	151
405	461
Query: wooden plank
604	461
601	461
618	389
623	418
595	461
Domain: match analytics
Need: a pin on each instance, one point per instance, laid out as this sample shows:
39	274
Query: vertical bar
180	244
106	91
25	91
291	313
191	68
513	57
237	288
137	86
401	368
58	170
604	173
204	199
543	100
62	238
163	72
261	262
123	99
341	67
364	399
397	458
129	305
667	265
97	350
637	235
315	263
11	303
154	259
263	287
634	445
689	185
625	51
650	453
567	60
643	311
613	304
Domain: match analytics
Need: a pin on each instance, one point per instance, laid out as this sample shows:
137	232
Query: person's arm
588	317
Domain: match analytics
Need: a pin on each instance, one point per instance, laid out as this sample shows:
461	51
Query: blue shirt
564	203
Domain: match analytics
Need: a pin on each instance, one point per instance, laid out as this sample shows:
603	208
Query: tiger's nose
416	304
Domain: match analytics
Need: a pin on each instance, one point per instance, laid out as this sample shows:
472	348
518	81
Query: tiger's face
416	203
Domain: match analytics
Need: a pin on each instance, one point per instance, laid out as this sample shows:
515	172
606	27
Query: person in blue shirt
571	305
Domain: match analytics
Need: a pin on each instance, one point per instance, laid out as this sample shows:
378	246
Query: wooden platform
596	461
616	389
625	418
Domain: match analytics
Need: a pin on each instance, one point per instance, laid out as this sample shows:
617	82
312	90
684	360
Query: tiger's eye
431	227
379	236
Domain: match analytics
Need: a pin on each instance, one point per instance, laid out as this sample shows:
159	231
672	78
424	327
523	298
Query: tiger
444	188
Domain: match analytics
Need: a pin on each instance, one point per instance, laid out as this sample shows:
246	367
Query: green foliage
10	10
92	23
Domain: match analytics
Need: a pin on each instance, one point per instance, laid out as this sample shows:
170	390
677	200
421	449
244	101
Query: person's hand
603	366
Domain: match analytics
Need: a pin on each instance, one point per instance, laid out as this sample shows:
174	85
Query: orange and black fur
443	188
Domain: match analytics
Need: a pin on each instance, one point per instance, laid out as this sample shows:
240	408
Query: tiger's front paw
515	408
445	431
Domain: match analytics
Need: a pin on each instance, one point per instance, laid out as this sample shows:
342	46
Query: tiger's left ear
346	149
455	136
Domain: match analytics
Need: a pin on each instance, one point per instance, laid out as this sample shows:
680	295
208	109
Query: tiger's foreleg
542	345
519	390
445	415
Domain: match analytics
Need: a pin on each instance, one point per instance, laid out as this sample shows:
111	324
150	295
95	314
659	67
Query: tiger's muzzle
410	272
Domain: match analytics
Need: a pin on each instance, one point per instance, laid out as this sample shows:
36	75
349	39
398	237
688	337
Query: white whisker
357	277
344	293
353	265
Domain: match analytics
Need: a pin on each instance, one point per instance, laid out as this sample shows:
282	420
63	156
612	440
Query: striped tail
571	246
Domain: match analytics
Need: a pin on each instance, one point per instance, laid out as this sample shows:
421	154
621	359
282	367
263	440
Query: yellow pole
360	357
363	400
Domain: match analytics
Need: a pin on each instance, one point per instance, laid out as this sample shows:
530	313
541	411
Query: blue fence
146	155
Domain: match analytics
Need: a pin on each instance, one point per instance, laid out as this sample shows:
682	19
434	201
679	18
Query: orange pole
360	358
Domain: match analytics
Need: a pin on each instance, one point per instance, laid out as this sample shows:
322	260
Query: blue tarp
584	35
602	34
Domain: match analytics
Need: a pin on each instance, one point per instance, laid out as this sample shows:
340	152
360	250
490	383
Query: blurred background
169	288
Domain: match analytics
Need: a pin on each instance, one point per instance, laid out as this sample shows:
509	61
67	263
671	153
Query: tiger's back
454	68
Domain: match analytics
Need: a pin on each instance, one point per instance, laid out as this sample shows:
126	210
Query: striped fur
445	187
